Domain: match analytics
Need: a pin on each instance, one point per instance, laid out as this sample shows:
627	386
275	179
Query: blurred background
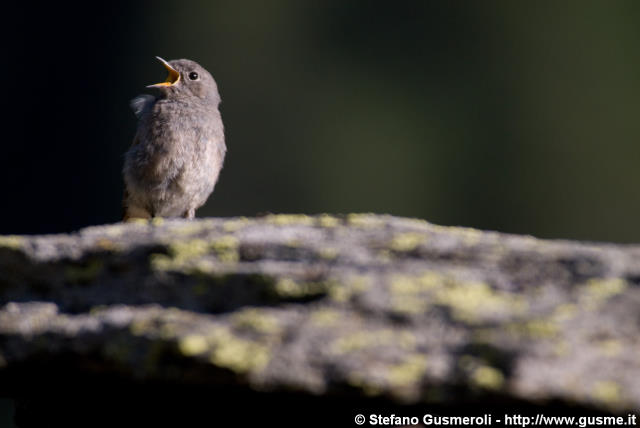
512	116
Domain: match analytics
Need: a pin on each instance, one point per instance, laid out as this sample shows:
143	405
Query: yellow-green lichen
414	284
188	227
469	236
97	310
384	256
293	243
193	344
484	335
235	224
608	392
408	373
487	377
362	340
328	221
480	373
328	253
107	244
157	221
404	242
141	327
535	329
111	231
364	383
344	291
560	348
565	312
257	320
84	272
218	344
414	223
364	220
239	355
184	250
223	348
290	288
406	340
289	219
138	221
598	290
409	305
226	248
161	262
168	330
324	317
12	242
470	301
610	347
187	254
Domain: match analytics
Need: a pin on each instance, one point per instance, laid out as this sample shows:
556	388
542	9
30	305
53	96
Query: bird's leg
190	214
133	212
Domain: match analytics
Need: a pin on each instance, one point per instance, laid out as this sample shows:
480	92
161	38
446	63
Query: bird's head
187	79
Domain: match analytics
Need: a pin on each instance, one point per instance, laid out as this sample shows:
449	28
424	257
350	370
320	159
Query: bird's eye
193	76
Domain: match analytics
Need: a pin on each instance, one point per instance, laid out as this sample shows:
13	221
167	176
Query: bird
179	146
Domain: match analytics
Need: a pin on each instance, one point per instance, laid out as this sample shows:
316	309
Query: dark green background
506	115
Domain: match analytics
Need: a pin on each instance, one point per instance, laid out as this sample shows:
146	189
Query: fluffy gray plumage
178	151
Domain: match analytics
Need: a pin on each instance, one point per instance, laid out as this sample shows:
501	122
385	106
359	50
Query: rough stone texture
364	307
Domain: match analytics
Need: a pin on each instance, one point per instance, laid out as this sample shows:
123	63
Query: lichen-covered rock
359	305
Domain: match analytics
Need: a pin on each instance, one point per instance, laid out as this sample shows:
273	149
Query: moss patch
256	320
328	253
325	317
364	220
608	392
362	340
408	373
188	255
237	354
534	329
598	290
328	221
193	344
223	348
406	284
12	242
487	377
404	242
468	301
226	248
235	224
354	285
289	288
290	219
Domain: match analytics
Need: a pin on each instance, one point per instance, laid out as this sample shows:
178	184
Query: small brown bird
178	150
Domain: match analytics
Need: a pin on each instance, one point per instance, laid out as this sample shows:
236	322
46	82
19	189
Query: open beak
172	78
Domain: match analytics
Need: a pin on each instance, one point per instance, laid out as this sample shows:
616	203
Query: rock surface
363	307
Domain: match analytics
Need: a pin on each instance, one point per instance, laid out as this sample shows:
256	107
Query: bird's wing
125	203
141	104
125	193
